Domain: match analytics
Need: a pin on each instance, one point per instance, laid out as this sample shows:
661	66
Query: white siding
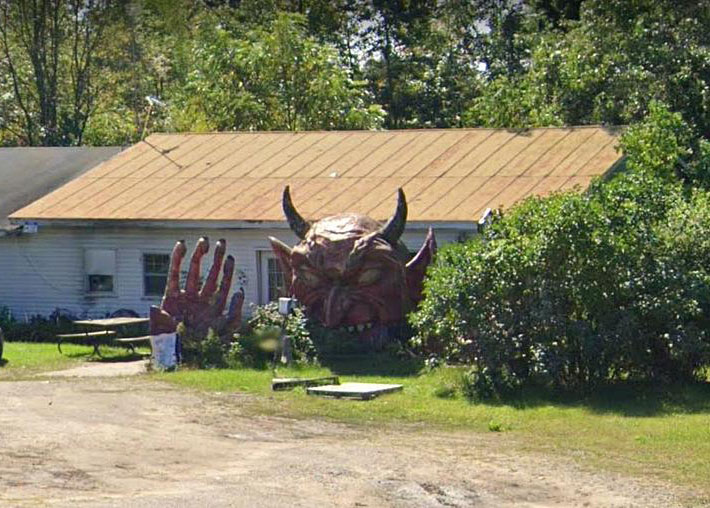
44	271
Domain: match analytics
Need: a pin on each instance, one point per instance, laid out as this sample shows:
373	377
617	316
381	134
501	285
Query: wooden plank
363	391
278	384
87	334
145	338
119	321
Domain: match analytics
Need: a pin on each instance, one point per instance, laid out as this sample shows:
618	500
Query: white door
271	278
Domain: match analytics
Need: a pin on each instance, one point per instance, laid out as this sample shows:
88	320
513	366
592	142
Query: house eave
210	224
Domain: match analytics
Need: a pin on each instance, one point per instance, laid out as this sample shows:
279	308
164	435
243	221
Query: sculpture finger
234	315
193	274
224	286
210	285
172	286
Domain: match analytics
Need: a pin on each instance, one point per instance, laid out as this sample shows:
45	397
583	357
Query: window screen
155	273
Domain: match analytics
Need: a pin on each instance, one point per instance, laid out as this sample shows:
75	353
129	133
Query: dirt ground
129	441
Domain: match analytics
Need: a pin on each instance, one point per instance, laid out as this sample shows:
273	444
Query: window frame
88	291
145	274
264	256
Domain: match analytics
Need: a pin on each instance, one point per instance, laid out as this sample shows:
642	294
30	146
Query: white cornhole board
164	356
364	391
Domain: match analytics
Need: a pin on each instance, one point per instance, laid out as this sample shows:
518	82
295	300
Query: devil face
346	276
349	270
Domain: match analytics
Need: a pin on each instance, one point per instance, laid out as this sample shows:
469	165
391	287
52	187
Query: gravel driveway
130	441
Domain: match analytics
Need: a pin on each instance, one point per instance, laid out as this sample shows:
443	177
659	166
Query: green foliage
113	127
267	322
573	290
605	67
37	328
663	144
512	103
345	65
49	53
212	351
6	317
257	345
273	77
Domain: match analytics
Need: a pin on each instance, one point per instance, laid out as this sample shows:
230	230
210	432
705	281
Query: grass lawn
22	360
661	432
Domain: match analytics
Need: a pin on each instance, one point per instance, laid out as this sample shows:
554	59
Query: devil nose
334	307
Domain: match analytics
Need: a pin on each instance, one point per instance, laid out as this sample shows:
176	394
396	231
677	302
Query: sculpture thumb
161	321
234	316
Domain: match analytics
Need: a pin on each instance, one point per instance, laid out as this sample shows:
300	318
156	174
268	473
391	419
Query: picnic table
108	328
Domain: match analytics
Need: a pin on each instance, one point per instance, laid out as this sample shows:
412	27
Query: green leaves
275	77
572	290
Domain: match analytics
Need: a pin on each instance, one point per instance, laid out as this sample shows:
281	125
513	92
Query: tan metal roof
448	174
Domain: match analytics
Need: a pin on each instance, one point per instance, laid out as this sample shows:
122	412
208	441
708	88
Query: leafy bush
267	322
212	351
255	348
574	289
37	328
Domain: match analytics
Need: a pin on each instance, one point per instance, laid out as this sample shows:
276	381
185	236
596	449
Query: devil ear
283	254
416	268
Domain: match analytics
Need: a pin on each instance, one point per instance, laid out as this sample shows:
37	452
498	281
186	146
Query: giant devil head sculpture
349	270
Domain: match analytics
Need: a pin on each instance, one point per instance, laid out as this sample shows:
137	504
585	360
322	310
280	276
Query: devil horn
297	223
395	226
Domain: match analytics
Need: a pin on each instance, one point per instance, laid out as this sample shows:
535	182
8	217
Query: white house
102	241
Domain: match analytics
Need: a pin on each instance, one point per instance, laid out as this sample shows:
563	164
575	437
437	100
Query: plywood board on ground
364	391
287	383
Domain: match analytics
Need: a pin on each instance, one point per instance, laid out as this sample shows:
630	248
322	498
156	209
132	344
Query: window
276	279
272	278
100	283
100	269
155	273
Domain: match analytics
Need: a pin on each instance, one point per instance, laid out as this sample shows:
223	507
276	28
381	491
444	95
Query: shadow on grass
3	362
112	356
373	364
633	399
119	358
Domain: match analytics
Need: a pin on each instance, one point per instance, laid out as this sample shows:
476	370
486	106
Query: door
271	278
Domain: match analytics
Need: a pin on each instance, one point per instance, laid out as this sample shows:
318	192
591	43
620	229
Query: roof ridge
386	131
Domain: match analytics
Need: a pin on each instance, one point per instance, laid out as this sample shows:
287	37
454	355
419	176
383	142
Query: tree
608	67
48	50
273	78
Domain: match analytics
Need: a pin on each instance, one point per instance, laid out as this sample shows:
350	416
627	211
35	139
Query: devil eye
309	278
368	277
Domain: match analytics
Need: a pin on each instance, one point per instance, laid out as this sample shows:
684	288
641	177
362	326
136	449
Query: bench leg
96	349
59	346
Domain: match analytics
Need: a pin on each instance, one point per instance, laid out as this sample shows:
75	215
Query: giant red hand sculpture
351	271
198	308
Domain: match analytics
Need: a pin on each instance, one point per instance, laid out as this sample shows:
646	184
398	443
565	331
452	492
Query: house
102	241
27	174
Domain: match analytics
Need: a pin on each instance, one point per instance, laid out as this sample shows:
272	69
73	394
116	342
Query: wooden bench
131	341
91	337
